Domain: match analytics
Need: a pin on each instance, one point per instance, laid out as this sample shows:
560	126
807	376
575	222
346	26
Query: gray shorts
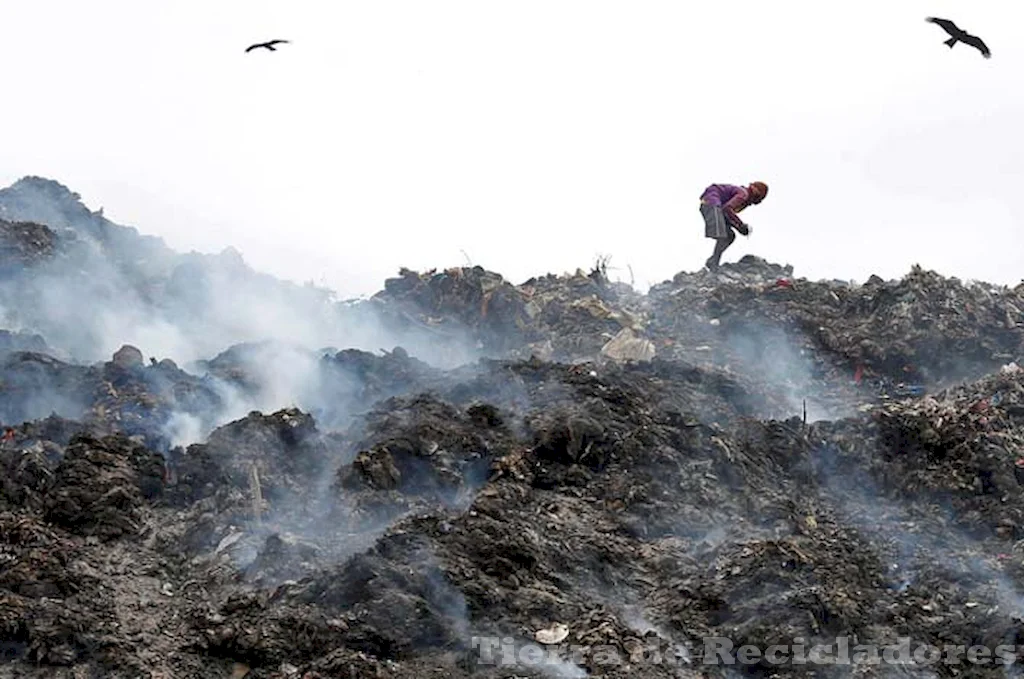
715	225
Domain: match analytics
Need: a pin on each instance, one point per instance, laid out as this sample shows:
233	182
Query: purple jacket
731	199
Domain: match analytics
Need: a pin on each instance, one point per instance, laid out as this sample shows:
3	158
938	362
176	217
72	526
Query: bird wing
946	24
977	43
277	42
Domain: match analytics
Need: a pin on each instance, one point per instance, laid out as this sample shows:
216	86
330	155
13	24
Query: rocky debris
45	201
23	342
601	502
576	315
121	395
244	366
275	561
107	278
960	445
334	386
53	607
27	472
143	400
36	385
368	378
53	429
554	317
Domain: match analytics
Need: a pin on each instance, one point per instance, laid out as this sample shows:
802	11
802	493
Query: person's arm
734	205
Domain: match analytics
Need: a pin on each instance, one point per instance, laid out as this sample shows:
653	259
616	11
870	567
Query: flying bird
959	35
266	45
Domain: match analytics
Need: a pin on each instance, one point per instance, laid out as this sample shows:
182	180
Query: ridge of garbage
739	454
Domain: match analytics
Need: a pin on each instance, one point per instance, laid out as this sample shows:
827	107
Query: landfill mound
558	478
527	500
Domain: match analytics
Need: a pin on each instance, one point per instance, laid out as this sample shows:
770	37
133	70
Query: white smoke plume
90	286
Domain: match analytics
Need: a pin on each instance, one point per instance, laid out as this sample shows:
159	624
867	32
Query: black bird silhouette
266	45
959	35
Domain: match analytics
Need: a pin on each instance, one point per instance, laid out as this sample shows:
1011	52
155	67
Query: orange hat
758	191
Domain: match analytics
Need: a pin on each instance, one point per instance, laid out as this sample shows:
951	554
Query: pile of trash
835	342
553	317
562	477
471	300
921	329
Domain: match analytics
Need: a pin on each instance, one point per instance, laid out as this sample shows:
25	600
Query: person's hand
749	230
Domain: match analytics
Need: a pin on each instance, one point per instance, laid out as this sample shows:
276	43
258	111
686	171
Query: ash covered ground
210	473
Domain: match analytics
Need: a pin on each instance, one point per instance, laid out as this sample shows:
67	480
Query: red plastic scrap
8	434
858	374
783	283
1020	463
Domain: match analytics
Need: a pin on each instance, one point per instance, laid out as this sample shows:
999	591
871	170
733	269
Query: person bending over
720	205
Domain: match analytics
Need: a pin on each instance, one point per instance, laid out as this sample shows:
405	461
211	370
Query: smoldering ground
758	348
921	542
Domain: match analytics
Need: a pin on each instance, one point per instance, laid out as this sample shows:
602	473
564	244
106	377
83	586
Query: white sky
533	136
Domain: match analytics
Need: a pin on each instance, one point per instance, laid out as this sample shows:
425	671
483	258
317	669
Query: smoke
266	376
768	352
88	307
89	286
183	429
36	385
918	538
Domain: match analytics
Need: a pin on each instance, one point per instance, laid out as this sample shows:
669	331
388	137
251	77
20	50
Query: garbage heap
562	318
921	329
871	340
610	516
470	300
626	478
838	344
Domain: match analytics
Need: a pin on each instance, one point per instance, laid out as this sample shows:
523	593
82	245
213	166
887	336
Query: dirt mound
375	378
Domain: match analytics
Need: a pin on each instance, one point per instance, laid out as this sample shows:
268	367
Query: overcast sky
528	136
